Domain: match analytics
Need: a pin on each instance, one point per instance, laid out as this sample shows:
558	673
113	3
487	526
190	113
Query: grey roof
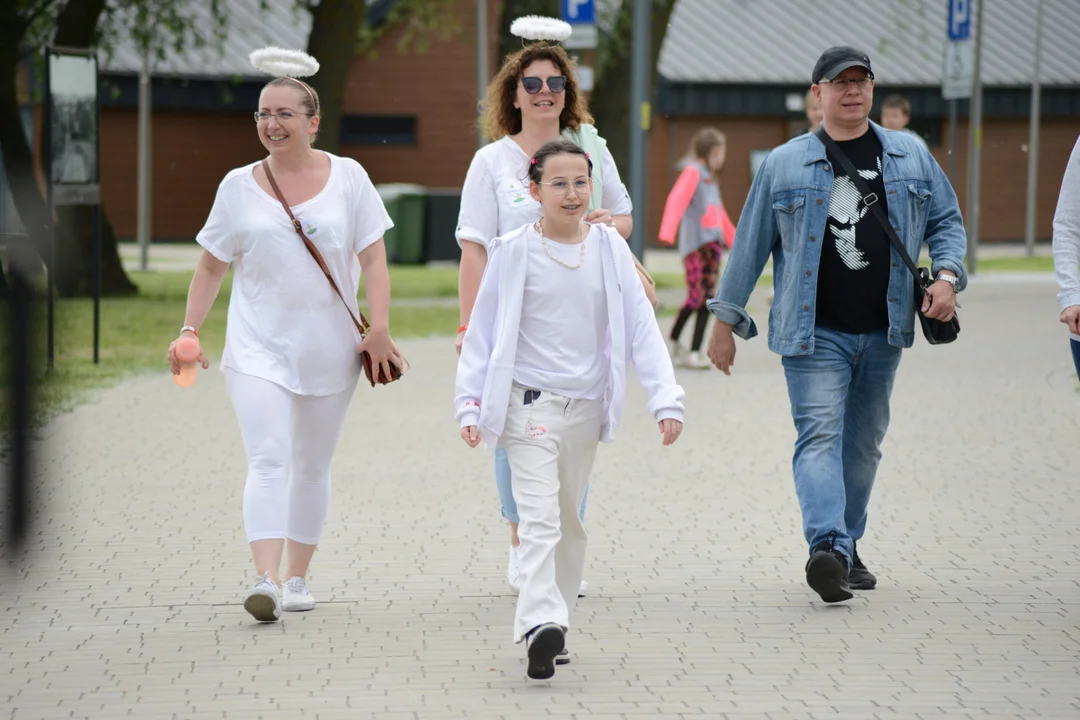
283	24
778	41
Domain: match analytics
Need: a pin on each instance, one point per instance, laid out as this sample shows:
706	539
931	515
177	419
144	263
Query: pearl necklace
543	241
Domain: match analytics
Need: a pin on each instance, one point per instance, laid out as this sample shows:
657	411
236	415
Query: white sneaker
297	596
582	589
513	571
264	600
696	361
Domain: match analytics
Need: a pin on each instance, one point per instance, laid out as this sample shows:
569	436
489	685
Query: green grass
136	331
1039	263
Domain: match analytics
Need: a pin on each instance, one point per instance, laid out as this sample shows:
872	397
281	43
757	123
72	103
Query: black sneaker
544	643
563	658
827	572
859	578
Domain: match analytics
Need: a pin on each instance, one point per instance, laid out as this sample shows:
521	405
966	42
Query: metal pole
952	141
143	197
975	148
640	118
21	387
481	63
1033	140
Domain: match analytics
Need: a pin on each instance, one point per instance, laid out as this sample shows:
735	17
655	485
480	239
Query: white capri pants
551	443
290	440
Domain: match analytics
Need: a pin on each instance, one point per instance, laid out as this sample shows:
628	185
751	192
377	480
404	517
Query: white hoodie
489	349
1067	234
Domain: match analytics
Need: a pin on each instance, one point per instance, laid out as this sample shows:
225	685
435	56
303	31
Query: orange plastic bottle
187	351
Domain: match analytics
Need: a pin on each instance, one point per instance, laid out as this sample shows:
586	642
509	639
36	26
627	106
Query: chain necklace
544	242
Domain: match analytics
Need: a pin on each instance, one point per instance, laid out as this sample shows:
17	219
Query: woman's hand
670	430
383	351
174	364
470	435
600	216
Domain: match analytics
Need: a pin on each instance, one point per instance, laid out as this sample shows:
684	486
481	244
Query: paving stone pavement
128	602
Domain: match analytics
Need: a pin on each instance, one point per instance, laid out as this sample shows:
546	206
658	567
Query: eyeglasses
283	116
532	85
859	83
562	187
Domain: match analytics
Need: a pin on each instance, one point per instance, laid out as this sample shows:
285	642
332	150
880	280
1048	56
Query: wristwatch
951	279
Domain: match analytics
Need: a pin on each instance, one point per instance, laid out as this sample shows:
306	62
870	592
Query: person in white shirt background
533	98
559	316
291	358
1066	245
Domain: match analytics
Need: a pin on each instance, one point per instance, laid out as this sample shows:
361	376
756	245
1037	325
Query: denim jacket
785	216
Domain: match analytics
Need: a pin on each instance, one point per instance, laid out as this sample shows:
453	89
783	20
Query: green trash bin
406	204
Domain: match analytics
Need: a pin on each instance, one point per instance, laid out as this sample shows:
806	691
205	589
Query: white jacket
489	349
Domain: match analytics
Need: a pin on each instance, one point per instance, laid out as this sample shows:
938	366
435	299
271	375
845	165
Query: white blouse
495	198
285	323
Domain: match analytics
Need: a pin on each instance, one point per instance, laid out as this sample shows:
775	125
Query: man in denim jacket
844	303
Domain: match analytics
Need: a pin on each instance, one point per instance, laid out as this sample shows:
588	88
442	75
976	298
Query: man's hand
939	301
1071	317
722	347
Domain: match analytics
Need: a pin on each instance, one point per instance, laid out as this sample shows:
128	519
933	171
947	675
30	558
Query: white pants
551	444
290	441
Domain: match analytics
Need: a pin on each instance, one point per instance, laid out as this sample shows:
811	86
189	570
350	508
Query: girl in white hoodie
559	315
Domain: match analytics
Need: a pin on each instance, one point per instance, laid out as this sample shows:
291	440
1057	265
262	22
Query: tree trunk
18	159
334	28
610	102
76	28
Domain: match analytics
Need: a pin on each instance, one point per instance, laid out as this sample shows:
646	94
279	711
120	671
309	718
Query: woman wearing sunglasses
532	100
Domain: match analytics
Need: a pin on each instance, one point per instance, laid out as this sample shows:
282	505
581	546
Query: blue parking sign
578	12
960	19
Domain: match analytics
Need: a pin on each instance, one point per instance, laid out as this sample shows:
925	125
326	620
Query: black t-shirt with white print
853	277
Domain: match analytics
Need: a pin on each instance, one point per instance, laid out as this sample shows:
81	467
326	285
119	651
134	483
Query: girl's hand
470	435
174	364
670	430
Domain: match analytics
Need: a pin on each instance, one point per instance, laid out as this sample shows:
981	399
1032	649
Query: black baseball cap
836	60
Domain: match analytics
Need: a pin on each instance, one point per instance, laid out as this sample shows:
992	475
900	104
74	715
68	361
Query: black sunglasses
532	85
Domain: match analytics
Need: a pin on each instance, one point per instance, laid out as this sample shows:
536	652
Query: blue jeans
840	404
506	492
1076	355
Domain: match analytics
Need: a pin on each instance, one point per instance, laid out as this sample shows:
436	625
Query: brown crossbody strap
362	325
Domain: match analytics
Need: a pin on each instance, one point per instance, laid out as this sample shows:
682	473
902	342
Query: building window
378	130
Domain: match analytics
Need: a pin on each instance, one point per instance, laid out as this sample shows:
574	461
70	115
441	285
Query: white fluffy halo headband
538	27
291	64
280	62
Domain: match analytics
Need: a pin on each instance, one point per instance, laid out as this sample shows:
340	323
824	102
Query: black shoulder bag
935	331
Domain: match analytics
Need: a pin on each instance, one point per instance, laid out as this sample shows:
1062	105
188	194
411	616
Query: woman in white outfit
559	317
534	98
291	360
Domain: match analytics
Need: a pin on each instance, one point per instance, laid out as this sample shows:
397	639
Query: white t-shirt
563	336
495	198
285	323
